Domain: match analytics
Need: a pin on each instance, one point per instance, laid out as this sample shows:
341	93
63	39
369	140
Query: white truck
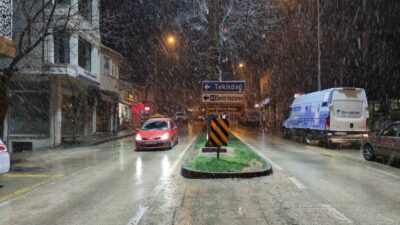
335	115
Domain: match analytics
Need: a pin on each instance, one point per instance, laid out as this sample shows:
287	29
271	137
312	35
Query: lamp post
319	47
170	41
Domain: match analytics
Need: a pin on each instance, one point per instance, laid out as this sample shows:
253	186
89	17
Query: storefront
125	117
77	112
106	113
29	109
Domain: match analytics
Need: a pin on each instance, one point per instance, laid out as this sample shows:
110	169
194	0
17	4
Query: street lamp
169	43
241	65
171	40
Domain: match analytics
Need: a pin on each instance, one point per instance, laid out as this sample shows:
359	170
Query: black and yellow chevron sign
218	132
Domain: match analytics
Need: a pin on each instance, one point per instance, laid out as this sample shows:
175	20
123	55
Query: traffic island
237	162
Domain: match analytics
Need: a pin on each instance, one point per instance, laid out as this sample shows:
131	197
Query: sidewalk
21	158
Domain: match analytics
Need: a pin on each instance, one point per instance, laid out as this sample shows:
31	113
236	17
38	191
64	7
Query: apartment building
55	93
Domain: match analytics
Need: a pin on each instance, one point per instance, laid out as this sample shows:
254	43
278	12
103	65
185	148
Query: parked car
157	133
251	117
4	158
181	116
336	115
384	144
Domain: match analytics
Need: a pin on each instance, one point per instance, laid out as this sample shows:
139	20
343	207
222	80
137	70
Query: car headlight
165	136
138	137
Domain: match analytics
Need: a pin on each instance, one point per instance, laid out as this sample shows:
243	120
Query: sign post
218	99
218	133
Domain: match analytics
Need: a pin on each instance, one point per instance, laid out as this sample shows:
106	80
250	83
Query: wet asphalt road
113	184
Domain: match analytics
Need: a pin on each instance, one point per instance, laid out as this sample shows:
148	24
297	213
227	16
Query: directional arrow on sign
206	97
206	87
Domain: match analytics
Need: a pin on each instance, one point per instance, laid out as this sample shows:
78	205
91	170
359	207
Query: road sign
223	86
222	98
221	109
218	132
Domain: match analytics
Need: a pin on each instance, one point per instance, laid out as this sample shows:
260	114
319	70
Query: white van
335	115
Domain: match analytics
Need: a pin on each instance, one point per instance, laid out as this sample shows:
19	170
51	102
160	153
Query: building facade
54	95
117	96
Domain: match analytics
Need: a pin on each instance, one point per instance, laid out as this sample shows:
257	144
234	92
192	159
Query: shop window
29	109
61	47
103	122
84	54
73	115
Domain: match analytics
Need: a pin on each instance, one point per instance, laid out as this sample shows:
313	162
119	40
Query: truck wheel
308	138
286	133
368	152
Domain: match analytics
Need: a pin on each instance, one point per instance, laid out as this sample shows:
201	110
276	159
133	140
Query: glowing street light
171	40
241	65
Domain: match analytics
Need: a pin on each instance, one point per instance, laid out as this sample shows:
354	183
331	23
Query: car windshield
155	125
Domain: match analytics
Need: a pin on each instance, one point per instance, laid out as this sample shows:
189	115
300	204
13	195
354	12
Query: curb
110	139
196	174
94	143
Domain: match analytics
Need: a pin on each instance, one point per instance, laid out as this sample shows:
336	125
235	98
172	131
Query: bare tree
238	24
33	22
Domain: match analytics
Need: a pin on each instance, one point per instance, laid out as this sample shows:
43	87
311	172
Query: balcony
71	71
109	83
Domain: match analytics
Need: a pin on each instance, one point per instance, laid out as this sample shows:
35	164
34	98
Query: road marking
6	198
335	213
296	182
138	216
258	152
183	153
26	175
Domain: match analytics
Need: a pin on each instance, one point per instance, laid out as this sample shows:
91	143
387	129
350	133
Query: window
84	54
63	2
155	125
391	131
61	47
107	66
85	9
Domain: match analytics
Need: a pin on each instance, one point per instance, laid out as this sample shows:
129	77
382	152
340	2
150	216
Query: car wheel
368	153
308	138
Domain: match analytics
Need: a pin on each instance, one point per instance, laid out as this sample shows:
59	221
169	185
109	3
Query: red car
157	133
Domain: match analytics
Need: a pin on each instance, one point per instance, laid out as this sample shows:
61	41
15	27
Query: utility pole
212	69
319	47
